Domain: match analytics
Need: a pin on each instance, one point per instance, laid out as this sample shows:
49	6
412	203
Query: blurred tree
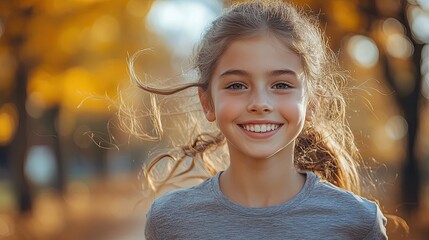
63	52
406	88
19	144
344	18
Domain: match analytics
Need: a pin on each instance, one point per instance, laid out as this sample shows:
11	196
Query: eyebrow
247	74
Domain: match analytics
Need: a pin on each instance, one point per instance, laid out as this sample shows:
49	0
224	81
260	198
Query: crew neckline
310	181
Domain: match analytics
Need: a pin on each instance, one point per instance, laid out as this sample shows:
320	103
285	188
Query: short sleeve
379	229
150	227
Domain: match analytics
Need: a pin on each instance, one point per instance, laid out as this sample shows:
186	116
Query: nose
260	103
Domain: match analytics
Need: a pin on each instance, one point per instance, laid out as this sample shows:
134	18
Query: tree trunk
410	105
19	144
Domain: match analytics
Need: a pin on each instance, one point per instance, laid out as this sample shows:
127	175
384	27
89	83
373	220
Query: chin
263	154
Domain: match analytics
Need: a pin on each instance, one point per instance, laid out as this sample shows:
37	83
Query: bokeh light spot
399	46
392	26
40	166
8	122
46	89
106	29
396	127
423	3
363	50
181	23
7	128
35	105
420	24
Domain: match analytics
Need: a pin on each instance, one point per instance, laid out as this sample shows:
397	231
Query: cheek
227	108
293	110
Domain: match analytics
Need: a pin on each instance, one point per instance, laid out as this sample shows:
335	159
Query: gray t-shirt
319	211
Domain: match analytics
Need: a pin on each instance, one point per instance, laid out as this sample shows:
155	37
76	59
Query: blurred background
67	171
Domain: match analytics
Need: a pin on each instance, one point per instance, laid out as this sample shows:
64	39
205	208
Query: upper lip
260	122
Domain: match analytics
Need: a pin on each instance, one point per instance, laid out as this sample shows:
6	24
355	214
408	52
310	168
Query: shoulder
355	212
182	198
175	208
331	195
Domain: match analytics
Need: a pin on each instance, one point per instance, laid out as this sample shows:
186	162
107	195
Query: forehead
258	55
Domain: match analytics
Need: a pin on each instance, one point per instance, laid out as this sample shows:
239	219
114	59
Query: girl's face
257	97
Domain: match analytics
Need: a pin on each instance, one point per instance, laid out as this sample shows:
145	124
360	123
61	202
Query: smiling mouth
260	128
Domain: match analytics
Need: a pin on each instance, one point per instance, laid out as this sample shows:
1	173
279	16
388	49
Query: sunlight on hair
181	23
363	50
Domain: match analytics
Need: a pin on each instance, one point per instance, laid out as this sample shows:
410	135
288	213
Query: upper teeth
260	127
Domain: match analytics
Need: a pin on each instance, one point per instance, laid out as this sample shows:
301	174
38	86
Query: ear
311	110
309	115
207	104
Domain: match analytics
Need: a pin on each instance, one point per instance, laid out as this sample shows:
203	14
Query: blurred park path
100	209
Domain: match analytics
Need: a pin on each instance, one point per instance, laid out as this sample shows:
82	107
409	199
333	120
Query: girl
271	86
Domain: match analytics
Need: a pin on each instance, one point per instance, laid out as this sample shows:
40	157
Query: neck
261	182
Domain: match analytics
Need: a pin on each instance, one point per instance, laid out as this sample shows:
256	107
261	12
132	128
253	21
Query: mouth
260	128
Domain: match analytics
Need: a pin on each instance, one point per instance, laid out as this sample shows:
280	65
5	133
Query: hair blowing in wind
325	146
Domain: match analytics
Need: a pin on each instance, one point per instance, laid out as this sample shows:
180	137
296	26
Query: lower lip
260	135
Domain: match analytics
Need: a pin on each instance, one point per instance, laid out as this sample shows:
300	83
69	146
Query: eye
281	85
236	86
